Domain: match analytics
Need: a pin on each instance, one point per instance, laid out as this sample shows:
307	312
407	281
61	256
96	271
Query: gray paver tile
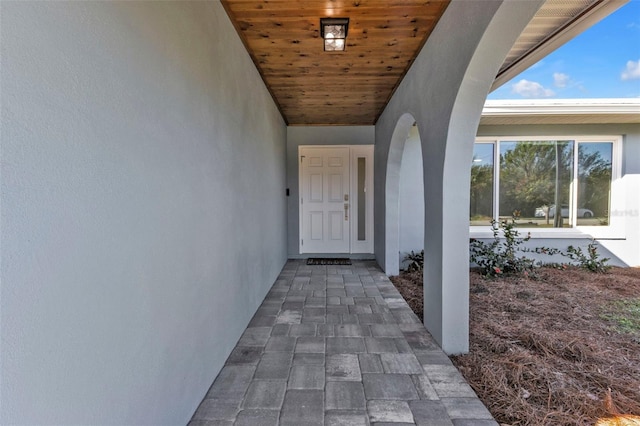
360	309
466	408
433	357
314	312
343	367
385	330
351	330
302	330
346	418
454	390
364	300
291	305
315	302
257	418
280	344
443	374
333	301
232	382
377	345
389	411
370	363
302	407
289	317
302	358
389	386
274	366
217	409
349	319
262	321
403	346
424	387
430	413
325	330
371	319
405	316
266	394
344	345
400	363
306	377
280	330
320	319
310	345
255	336
337	309
347	300
344	396
420	340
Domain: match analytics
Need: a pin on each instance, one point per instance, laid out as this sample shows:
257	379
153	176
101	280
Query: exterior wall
411	197
444	91
314	135
624	249
143	207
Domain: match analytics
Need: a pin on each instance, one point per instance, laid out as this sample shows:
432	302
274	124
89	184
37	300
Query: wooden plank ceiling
314	87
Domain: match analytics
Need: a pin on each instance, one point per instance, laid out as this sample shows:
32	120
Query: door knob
346	211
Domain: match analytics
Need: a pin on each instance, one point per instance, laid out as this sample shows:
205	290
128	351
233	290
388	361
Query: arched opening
392	193
411	198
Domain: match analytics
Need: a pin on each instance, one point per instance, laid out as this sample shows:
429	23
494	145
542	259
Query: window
548	183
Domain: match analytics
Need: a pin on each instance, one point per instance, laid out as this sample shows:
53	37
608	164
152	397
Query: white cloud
560	80
632	71
531	89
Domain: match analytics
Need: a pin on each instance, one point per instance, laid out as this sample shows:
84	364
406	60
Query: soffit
352	87
313	87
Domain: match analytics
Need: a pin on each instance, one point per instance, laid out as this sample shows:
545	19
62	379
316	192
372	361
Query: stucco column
444	91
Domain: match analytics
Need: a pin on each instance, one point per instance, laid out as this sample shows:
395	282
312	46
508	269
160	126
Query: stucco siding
143	208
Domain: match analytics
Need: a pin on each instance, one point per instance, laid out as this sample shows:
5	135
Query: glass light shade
334	32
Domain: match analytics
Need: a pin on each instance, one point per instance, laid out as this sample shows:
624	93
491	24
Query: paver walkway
338	345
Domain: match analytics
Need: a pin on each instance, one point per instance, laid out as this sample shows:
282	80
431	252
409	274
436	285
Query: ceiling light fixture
334	33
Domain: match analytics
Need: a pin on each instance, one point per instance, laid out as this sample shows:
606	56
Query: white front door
324	200
336	199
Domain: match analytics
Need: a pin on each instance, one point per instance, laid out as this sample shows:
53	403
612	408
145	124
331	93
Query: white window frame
615	229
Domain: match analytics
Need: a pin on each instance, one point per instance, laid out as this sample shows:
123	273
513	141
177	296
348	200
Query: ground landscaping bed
544	350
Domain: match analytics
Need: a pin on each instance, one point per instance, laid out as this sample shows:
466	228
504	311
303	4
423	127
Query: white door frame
359	155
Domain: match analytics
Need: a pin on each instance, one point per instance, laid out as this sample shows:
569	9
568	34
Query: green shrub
416	261
590	260
500	256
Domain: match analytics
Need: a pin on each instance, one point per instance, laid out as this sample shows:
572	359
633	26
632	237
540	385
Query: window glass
594	183
482	184
535	177
362	202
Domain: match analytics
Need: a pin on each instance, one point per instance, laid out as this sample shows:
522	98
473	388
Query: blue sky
602	62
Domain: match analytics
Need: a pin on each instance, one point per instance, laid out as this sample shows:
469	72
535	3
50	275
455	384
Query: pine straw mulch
541	352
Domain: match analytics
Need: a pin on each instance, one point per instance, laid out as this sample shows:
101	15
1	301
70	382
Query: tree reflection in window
535	175
482	184
594	183
546	182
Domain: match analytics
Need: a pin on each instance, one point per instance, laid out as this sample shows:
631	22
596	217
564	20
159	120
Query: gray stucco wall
411	197
143	207
314	135
625	248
